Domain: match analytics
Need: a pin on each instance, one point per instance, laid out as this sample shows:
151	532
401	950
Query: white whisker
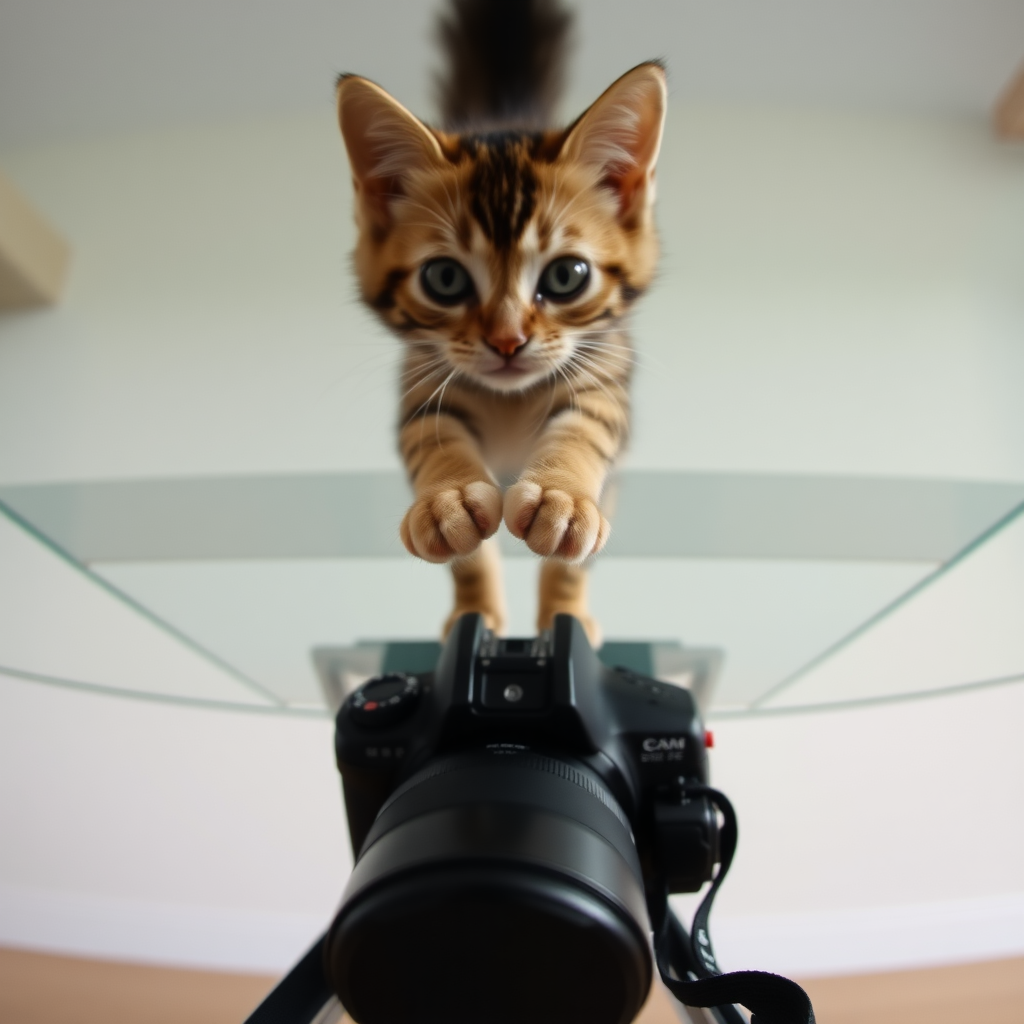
586	373
437	415
426	404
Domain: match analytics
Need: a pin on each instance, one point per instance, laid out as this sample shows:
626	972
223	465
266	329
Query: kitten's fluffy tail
506	60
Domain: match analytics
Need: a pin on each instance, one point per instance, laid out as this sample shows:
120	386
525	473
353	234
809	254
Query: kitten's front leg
457	504
478	588
555	506
563	589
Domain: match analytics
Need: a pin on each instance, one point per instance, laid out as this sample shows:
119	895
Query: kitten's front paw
446	522
555	523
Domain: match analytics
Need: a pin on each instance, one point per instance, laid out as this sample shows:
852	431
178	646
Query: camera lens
495	887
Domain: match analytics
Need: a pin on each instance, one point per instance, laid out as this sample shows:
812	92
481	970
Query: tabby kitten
506	256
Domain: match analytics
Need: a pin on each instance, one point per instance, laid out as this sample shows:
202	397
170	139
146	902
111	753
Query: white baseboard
231	939
855	941
214	938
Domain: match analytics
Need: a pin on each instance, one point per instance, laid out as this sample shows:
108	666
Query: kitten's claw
555	523
446	521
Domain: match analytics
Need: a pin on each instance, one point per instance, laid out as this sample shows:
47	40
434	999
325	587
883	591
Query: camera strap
687	964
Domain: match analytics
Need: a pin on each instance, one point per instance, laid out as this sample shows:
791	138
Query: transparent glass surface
813	590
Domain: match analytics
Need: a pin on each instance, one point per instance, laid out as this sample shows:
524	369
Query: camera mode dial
384	700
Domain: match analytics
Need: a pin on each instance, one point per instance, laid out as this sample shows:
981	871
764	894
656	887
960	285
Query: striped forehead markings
503	185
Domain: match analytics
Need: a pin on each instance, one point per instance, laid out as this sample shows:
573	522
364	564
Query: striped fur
508	383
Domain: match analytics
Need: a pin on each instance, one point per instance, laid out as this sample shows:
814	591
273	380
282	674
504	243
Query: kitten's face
504	257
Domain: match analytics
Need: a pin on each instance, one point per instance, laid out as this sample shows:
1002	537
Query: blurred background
199	483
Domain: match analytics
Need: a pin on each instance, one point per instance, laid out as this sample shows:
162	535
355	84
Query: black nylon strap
687	963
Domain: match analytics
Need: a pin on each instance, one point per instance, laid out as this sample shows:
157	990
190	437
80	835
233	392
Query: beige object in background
33	257
1009	112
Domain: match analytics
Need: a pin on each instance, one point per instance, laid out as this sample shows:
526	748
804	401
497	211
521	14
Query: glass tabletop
790	591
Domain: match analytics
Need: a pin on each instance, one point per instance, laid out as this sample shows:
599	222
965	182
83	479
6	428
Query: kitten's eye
564	278
446	281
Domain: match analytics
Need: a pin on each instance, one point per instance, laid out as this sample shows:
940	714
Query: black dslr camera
519	817
509	812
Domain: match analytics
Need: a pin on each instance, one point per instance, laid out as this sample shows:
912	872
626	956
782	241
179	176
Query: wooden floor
985	993
42	989
38	988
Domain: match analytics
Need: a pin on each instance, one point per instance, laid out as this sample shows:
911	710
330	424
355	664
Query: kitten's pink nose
507	343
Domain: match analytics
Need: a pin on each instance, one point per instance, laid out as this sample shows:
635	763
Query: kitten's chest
508	428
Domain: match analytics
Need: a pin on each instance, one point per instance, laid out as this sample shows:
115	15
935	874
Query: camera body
522	803
641	736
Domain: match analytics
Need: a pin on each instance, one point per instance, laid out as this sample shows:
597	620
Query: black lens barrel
495	887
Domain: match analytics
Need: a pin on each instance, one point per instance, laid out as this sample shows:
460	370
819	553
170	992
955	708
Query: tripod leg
332	1012
302	996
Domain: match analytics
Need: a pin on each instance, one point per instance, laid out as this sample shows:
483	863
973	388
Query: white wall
840	294
875	838
154	832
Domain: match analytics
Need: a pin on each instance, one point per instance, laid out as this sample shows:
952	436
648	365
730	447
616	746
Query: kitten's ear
620	135
385	143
